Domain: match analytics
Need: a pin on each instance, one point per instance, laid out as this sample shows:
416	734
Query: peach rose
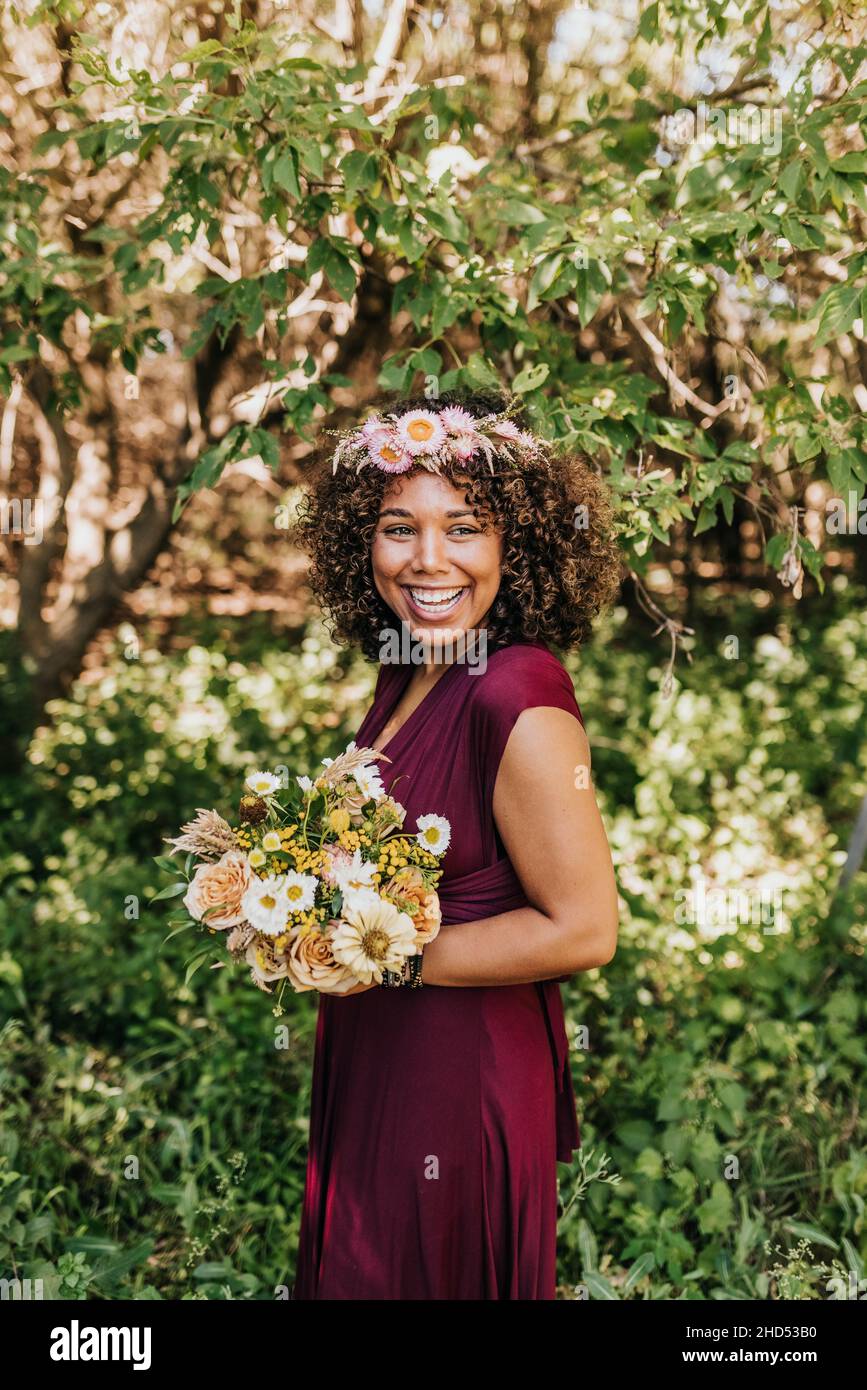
312	966
212	884
408	892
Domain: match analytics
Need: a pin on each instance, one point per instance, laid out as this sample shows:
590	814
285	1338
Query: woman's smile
427	601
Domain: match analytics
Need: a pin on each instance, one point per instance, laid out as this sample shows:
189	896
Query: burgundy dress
438	1114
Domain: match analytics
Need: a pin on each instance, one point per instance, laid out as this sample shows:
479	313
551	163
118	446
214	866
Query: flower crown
395	442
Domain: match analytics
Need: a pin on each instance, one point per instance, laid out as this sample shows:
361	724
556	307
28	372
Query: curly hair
555	577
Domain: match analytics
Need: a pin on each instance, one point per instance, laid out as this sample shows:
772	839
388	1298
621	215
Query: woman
439	1111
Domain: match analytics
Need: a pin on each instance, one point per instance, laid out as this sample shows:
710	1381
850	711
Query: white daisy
434	833
369	781
266	906
300	890
304	783
262	783
372	937
256	858
271	842
353	875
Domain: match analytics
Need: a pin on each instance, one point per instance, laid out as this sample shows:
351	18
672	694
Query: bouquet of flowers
320	885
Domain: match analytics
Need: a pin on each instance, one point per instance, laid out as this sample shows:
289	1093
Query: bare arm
554	836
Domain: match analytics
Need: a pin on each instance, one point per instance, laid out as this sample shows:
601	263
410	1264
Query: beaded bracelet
410	975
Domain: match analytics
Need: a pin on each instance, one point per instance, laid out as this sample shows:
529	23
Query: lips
430	602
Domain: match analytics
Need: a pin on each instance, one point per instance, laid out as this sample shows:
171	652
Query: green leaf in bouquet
197	961
164	861
171	892
185	926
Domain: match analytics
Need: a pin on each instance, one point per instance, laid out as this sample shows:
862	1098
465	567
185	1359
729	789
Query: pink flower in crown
457	420
464	447
372	425
421	431
387	451
505	429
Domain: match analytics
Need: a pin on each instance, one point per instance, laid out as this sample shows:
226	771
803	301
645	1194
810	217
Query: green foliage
153	1133
646	223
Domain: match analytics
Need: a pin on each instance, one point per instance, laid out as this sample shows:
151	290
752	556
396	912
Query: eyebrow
402	511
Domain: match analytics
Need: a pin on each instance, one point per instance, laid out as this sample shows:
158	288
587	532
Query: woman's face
433	564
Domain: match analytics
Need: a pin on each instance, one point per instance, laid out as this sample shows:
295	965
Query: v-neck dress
438	1114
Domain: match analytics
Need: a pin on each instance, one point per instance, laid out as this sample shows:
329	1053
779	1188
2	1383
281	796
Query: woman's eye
393	530
467	530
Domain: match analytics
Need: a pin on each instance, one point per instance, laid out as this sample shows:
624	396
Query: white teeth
424	597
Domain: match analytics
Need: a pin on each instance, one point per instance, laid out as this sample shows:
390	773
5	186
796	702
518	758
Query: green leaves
336	258
531	378
543	280
837	310
503	265
648	24
360	172
278	168
241	442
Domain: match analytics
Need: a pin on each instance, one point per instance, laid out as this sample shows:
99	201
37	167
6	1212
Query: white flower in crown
421	431
262	783
434	833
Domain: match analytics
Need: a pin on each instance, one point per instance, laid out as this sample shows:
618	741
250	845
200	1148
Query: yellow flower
339	820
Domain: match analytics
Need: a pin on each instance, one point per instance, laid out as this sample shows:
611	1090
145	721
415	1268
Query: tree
275	215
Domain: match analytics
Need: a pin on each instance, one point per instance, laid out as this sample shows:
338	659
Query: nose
430	552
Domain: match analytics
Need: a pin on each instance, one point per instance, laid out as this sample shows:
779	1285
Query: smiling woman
438	1115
